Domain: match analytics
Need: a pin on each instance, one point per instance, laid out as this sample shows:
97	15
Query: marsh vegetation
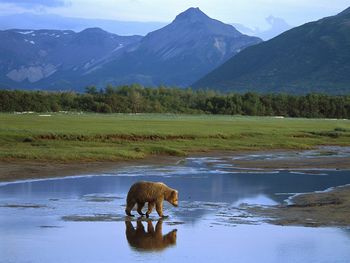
68	137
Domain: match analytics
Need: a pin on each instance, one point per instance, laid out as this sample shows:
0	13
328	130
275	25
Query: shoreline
327	208
330	207
21	170
12	171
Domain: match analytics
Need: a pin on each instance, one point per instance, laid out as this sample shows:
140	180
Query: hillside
177	54
51	59
314	57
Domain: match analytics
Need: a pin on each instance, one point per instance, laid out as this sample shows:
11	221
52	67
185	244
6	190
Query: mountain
177	54
314	57
47	59
56	22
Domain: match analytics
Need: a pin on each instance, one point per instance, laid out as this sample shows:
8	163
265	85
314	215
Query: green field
102	137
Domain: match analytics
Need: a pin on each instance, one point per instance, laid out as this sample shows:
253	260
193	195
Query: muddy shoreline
327	208
20	170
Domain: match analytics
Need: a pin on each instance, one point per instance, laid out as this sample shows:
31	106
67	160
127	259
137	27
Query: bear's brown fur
150	240
152	193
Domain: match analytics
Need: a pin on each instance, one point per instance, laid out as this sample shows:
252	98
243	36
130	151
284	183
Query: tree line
138	99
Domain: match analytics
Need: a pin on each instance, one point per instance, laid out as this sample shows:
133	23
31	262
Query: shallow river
82	219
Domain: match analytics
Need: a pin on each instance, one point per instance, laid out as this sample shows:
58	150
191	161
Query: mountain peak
192	14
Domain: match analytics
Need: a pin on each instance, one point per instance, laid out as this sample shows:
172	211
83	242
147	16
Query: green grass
92	137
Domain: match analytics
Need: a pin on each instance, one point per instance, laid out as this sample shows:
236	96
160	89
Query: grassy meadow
107	137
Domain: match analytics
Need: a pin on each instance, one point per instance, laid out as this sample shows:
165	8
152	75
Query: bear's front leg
129	207
159	208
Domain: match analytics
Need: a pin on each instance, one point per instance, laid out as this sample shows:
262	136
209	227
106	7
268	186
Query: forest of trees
137	99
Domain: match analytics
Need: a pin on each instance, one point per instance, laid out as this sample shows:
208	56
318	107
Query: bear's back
146	191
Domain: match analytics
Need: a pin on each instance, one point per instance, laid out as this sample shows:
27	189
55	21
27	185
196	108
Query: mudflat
329	208
337	158
20	170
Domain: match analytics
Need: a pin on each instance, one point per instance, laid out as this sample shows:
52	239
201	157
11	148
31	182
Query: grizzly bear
152	240
152	193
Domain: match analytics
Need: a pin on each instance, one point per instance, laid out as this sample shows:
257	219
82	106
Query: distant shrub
341	129
28	139
138	99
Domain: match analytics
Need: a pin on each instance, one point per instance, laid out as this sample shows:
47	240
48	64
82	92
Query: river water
81	219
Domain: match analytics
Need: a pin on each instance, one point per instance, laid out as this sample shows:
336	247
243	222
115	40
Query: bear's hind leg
129	207
139	208
150	208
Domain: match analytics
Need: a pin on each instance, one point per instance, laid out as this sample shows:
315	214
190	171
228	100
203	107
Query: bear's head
173	198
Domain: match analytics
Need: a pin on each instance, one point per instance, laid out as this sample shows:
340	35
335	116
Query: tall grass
89	137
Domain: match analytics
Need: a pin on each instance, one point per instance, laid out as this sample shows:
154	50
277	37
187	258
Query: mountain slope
178	54
47	59
314	57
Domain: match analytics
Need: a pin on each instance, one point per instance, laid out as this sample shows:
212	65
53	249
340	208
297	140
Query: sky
251	13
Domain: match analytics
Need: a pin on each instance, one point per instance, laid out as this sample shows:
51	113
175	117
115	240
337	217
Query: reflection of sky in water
210	195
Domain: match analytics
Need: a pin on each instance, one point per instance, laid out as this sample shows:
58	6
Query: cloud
275	27
36	3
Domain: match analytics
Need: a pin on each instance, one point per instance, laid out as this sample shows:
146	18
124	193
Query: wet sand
19	170
328	208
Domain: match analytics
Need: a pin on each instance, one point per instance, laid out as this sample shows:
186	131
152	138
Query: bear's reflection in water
150	240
